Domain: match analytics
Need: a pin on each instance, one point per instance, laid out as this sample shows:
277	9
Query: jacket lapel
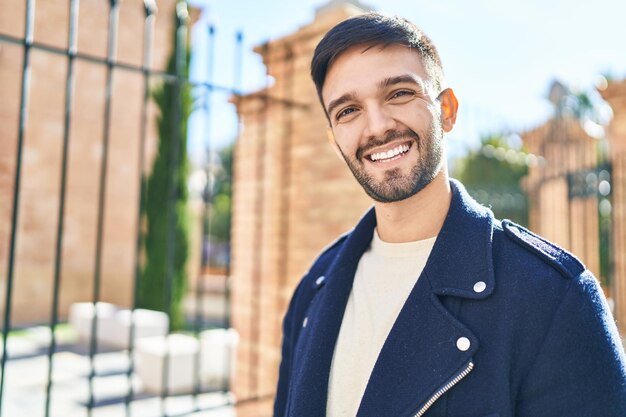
316	344
423	351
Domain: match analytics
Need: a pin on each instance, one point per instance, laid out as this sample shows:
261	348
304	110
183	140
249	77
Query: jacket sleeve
580	368
284	373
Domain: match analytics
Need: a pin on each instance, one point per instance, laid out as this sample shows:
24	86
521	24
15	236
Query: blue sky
500	56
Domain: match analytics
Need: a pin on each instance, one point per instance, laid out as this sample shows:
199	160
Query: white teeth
390	153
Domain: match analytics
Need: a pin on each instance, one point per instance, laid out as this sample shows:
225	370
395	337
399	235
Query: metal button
480	286
306	320
320	280
463	344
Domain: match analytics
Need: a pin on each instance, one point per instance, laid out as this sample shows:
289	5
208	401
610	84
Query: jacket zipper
445	388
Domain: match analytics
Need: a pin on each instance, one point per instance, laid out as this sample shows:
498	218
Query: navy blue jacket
542	342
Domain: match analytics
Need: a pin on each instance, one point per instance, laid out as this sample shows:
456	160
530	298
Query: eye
345	112
401	93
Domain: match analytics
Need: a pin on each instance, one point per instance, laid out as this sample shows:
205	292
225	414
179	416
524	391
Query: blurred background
165	180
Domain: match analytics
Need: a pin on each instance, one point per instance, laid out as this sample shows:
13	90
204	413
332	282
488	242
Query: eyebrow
339	101
399	79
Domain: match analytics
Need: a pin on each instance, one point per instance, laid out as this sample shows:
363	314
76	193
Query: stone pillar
615	95
291	197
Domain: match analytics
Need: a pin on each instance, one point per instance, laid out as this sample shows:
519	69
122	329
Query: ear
333	142
449	106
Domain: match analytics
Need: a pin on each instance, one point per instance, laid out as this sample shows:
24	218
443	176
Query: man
430	306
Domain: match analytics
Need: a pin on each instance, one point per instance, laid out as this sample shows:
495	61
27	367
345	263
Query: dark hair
373	29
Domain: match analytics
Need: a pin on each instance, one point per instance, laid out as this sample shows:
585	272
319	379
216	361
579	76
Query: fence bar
28	40
150	9
69	94
111	50
207	198
579	164
237	87
237	83
182	19
238	66
610	232
616	236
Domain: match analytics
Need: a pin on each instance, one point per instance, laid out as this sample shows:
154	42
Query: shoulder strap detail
566	263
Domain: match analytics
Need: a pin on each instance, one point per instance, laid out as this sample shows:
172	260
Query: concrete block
147	323
81	317
218	357
179	350
113	328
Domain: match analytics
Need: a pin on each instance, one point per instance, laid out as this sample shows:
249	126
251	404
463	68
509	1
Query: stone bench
81	318
181	352
219	354
113	327
146	323
214	351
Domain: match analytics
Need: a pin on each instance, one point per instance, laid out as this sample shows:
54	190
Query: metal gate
100	389
570	195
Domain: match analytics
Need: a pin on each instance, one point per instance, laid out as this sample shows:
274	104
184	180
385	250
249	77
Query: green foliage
220	218
580	106
494	180
175	103
222	194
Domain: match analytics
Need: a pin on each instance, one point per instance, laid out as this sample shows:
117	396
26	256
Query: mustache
388	138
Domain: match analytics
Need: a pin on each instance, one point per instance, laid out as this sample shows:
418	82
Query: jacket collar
462	254
465	239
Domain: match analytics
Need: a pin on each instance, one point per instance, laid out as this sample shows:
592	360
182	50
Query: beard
396	186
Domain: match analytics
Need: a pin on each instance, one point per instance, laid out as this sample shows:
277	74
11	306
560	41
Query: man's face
385	119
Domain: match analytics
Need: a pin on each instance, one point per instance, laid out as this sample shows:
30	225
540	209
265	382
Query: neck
418	217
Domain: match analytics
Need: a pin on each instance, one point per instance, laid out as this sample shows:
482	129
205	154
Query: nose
379	122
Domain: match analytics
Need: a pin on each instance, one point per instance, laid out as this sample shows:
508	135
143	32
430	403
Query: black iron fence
149	75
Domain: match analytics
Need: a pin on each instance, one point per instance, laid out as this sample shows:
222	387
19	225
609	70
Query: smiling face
387	120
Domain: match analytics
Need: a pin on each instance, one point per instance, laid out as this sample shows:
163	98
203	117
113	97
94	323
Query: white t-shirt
386	274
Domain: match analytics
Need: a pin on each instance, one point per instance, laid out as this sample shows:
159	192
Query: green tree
174	101
492	175
222	196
